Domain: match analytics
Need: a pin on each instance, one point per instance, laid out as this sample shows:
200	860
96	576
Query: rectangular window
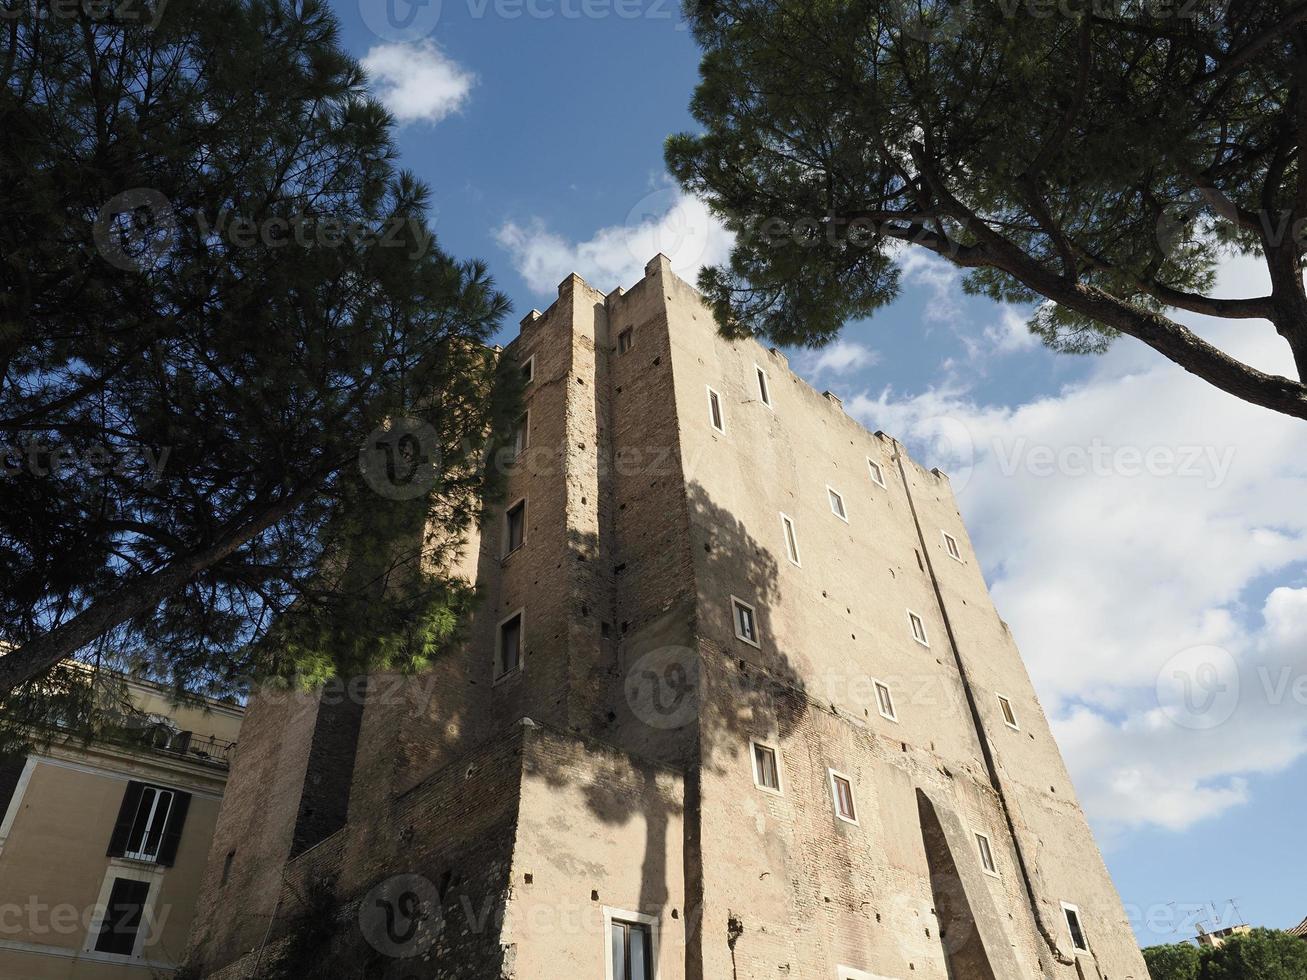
1078	941
529	370
951	543
508	655
122	916
885	702
986	855
842	793
631	946
764	393
766	773
715	412
837	504
877	474
146	836
625	339
791	539
514	527
918	629
521	434
1009	716
746	623
149	825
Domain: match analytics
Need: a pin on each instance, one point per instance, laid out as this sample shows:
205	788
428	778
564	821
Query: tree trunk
141	595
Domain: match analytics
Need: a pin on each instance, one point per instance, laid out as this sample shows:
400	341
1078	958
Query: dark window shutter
11	770
172	834
126	815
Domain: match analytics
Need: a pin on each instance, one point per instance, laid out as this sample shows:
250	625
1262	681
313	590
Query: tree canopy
1262	954
1094	160
240	382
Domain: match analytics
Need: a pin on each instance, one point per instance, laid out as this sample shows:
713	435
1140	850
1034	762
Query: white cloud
840	357
667	220
417	81
1125	519
1011	333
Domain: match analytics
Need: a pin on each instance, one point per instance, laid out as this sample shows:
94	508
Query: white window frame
639	918
625	332
754	745
790	536
832	775
831	496
737	602
144	932
1068	907
713	393
529	369
951	546
915	620
764	386
525	444
505	550
149	820
1005	708
980	851
520	666
877	687
877	473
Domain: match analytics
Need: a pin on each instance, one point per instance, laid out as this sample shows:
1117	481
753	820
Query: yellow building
102	846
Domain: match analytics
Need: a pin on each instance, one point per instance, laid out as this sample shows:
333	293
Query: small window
877	474
121	919
631	946
766	773
746	622
918	629
764	392
885	702
986	855
149	824
625	339
521	434
529	370
791	539
508	652
514	527
951	543
147	829
1078	941
715	412
1009	716
837	504
842	793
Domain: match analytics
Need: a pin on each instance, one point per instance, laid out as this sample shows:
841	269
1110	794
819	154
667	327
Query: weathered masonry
736	705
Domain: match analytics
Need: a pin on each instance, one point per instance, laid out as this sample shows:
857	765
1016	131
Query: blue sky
1139	530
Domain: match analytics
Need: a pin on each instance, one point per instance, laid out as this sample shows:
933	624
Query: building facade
736	704
103	845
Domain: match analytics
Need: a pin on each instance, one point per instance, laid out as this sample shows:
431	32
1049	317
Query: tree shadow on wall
685	694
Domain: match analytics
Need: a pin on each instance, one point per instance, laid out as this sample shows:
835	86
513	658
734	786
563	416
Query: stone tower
736	705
